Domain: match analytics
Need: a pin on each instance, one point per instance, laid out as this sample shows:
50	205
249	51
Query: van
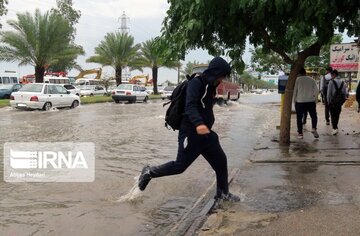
56	80
9	78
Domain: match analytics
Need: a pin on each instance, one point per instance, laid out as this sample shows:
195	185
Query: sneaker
315	133
144	178
334	132
327	122
228	197
300	136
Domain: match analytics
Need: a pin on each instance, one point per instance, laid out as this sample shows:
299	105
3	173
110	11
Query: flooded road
126	137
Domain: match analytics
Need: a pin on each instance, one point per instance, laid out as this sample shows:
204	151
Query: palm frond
38	39
117	50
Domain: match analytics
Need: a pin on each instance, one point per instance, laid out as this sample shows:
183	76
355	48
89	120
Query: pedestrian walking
305	98
324	87
336	96
196	136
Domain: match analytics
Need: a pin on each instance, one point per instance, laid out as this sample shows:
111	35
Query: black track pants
301	108
335	116
190	146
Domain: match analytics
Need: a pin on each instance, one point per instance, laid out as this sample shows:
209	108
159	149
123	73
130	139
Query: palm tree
153	58
39	40
117	50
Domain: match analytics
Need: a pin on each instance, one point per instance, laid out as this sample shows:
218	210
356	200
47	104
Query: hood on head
217	68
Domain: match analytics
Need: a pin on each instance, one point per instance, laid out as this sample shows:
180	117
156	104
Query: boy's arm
193	96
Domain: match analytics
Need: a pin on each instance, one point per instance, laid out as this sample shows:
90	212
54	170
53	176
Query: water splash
133	195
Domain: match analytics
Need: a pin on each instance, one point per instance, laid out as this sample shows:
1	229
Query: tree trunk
118	71
39	74
285	123
154	76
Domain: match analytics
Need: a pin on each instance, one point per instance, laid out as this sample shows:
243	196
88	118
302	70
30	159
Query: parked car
72	89
7	89
43	96
256	91
92	91
110	89
130	93
166	92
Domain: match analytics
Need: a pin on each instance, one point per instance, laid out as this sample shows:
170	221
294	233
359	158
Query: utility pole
123	23
124	19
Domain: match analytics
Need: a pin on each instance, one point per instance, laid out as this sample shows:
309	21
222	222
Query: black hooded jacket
200	95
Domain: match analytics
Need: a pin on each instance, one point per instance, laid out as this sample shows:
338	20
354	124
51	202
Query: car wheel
146	98
91	94
47	106
75	104
116	101
6	96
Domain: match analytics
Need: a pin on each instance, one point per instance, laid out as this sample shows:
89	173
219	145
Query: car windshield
6	87
32	88
125	87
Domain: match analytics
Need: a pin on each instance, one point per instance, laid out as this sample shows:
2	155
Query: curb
201	217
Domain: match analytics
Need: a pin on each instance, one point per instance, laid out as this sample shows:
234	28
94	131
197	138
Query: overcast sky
100	17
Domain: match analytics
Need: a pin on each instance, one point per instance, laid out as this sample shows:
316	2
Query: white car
43	96
149	89
130	93
166	92
72	89
92	91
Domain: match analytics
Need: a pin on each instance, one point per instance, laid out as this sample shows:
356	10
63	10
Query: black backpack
175	112
339	97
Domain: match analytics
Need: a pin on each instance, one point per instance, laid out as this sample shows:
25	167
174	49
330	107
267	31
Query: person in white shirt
305	98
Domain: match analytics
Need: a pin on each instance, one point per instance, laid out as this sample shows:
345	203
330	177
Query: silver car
91	90
130	93
43	96
72	89
166	93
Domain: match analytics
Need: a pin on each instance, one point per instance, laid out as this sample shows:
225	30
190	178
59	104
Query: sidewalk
310	188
